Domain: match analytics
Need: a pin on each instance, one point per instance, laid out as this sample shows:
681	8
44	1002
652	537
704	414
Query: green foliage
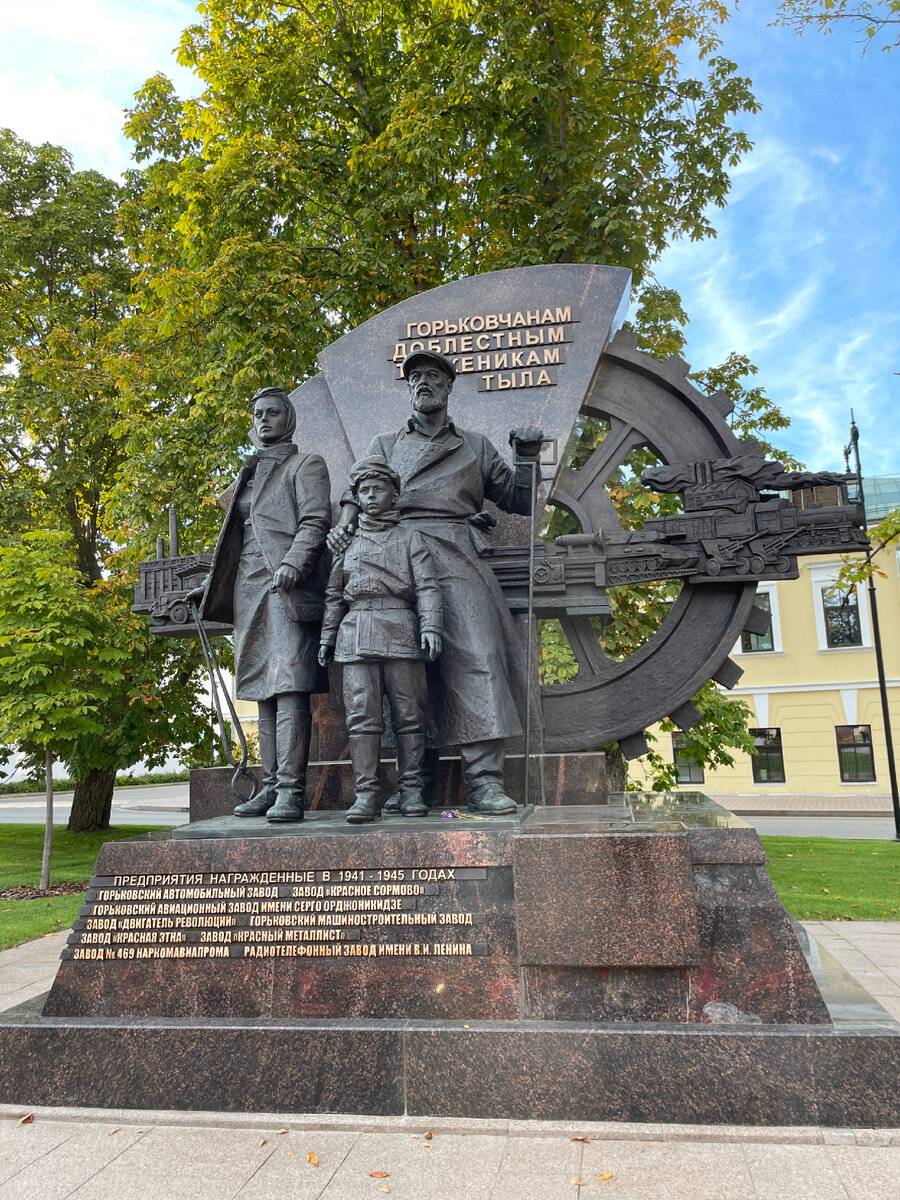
57	668
859	570
343	157
827	879
722	727
755	415
115	694
871	18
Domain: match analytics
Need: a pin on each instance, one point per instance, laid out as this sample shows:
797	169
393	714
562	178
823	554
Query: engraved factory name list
359	913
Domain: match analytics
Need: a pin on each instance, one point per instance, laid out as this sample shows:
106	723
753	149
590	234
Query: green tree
64	281
60	663
342	157
871	18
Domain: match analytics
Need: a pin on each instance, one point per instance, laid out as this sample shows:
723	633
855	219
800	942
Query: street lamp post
876	629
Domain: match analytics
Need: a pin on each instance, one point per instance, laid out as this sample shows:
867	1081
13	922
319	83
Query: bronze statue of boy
382	620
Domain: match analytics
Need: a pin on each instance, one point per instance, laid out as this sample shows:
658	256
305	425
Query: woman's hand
285	577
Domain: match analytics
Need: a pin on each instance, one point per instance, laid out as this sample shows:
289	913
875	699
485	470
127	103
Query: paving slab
192	1164
674	1170
868	1173
436	1168
793	1173
86	1151
288	1171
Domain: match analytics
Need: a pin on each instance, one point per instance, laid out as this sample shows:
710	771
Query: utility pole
853	447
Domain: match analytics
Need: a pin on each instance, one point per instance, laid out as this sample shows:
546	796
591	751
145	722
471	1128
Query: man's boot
265	798
482	764
365	753
293	730
410	755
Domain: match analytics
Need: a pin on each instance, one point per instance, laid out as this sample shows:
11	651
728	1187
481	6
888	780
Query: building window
768	762
841	609
688	772
855	757
753	643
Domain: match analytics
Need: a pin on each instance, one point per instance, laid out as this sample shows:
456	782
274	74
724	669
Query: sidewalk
777	804
126	1155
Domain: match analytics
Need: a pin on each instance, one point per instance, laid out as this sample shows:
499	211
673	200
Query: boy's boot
410	754
365	754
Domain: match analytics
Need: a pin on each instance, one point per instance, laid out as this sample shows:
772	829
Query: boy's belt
378	603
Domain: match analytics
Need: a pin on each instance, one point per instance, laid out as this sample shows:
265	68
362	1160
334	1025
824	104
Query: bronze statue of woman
268	581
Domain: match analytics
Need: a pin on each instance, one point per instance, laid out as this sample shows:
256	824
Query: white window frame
770	590
823	575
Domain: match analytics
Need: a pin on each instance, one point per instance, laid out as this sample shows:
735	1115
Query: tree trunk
48	821
616	771
92	801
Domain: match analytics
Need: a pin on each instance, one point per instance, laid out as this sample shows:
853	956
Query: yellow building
812	683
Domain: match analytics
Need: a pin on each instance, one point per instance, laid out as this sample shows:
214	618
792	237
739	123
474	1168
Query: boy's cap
373	466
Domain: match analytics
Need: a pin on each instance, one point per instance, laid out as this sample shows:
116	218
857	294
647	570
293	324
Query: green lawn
20	865
831	879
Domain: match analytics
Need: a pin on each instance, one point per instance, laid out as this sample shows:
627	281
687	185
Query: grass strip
836	879
74	855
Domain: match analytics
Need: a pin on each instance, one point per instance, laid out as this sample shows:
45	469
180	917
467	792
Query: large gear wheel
646	402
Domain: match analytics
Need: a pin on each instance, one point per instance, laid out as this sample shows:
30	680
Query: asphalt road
164	804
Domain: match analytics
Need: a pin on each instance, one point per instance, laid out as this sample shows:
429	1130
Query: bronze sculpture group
411	612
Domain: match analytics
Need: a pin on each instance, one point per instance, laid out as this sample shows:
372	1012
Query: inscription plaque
370	912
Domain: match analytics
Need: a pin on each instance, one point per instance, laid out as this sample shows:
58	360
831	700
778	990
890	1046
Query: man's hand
326	654
526	441
195	595
339	538
285	577
432	644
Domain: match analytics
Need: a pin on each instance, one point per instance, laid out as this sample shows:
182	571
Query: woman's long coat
280	512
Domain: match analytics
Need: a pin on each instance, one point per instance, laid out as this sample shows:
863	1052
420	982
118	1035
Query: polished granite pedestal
621	962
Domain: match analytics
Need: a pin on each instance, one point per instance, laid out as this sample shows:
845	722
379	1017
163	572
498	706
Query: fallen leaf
25	1120
384	1188
263	1141
112	1131
427	1136
291	1153
280	1131
380	1174
649	1145
605	1175
312	1157
579	1138
578	1182
827	891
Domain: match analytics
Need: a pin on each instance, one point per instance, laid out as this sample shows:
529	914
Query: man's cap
373	466
427	356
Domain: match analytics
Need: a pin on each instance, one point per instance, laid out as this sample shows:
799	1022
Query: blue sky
804	276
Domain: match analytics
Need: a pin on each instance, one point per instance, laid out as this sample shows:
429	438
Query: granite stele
443	912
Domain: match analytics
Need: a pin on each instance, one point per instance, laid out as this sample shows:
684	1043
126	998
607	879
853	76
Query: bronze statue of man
478	685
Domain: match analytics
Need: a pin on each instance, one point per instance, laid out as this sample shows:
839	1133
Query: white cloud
102	35
42	109
77	66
